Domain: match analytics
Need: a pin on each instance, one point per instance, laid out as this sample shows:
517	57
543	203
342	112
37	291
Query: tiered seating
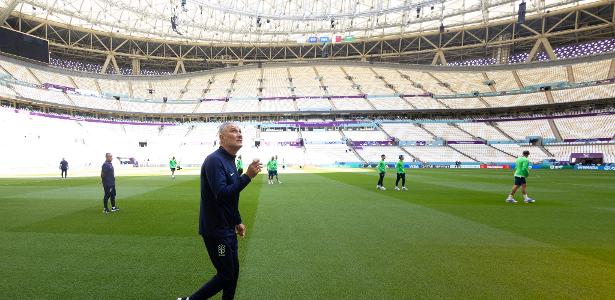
210	107
591	71
317	136
584	93
313	104
171	108
140	90
142	106
400	84
172	89
55	77
195	89
305	82
327	154
274	137
334	79
463	103
95	102
436	154
534	76
86	83
365	135
372	153
275	82
287	155
115	87
6	91
367	81
536	154
519	130
587	127
447	132
406	132
425	103
19	72
235	105
483	153
41	94
463	82
517	100
246	84
220	86
427	81
483	131
351	104
504	80
389	103
562	153
277	105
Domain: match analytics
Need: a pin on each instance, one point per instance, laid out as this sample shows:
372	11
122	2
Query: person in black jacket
64	168
220	220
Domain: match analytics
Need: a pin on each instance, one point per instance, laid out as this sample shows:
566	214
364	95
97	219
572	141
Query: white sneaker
377	187
279	182
396	188
403	188
511	200
382	188
529	200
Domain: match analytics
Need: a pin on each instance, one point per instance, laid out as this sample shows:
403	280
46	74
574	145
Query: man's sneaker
183	298
396	188
378	187
115	209
105	211
511	200
279	182
529	200
382	188
403	188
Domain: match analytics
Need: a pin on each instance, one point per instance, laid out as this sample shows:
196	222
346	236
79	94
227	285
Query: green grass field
317	236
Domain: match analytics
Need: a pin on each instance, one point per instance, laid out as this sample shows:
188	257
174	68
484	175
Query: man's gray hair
223	126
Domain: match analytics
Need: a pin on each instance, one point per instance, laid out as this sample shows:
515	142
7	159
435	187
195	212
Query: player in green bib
382	166
239	165
522	171
270	168
401	174
173	165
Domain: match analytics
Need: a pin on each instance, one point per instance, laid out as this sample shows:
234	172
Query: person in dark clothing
107	176
64	168
219	220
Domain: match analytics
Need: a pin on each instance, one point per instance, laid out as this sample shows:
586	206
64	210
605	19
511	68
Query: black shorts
270	173
519	180
172	169
275	172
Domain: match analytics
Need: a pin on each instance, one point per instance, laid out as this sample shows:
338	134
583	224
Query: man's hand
254	168
240	229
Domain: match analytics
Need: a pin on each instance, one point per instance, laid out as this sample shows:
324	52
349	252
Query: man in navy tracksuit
64	168
219	220
107	176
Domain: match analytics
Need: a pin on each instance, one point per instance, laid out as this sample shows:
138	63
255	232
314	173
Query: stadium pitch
317	236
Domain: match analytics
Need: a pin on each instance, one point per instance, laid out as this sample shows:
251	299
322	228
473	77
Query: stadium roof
272	21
